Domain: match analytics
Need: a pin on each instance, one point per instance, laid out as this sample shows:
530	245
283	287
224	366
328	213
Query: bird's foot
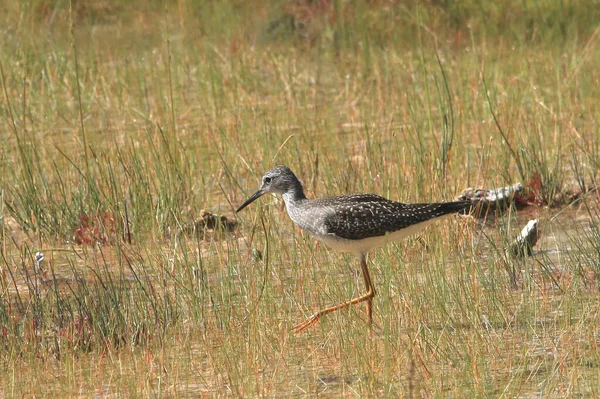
311	321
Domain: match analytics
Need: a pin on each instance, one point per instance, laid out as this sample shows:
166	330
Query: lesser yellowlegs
356	223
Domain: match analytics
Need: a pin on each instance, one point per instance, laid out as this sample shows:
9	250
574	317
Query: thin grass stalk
88	176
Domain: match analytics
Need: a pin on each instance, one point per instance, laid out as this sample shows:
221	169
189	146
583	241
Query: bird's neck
294	194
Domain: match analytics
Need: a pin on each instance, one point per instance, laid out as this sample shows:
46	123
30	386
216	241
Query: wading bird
356	223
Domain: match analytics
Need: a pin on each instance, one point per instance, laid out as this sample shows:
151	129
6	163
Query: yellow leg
370	288
312	320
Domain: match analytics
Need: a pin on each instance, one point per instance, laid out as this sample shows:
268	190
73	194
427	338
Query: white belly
367	244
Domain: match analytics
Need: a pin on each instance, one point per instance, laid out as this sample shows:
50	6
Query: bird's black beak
250	200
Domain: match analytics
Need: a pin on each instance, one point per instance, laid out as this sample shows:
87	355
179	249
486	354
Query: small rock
523	245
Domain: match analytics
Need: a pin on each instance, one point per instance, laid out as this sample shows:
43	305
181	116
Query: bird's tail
462	207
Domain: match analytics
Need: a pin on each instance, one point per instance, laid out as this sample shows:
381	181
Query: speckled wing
365	215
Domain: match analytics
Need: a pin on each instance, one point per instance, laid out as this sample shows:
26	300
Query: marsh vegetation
123	121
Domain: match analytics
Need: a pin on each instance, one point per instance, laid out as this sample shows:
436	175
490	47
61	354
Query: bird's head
278	180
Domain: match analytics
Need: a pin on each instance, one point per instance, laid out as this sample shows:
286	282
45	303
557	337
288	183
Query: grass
118	132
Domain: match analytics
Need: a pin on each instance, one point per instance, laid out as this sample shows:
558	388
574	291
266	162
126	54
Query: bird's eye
267	180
